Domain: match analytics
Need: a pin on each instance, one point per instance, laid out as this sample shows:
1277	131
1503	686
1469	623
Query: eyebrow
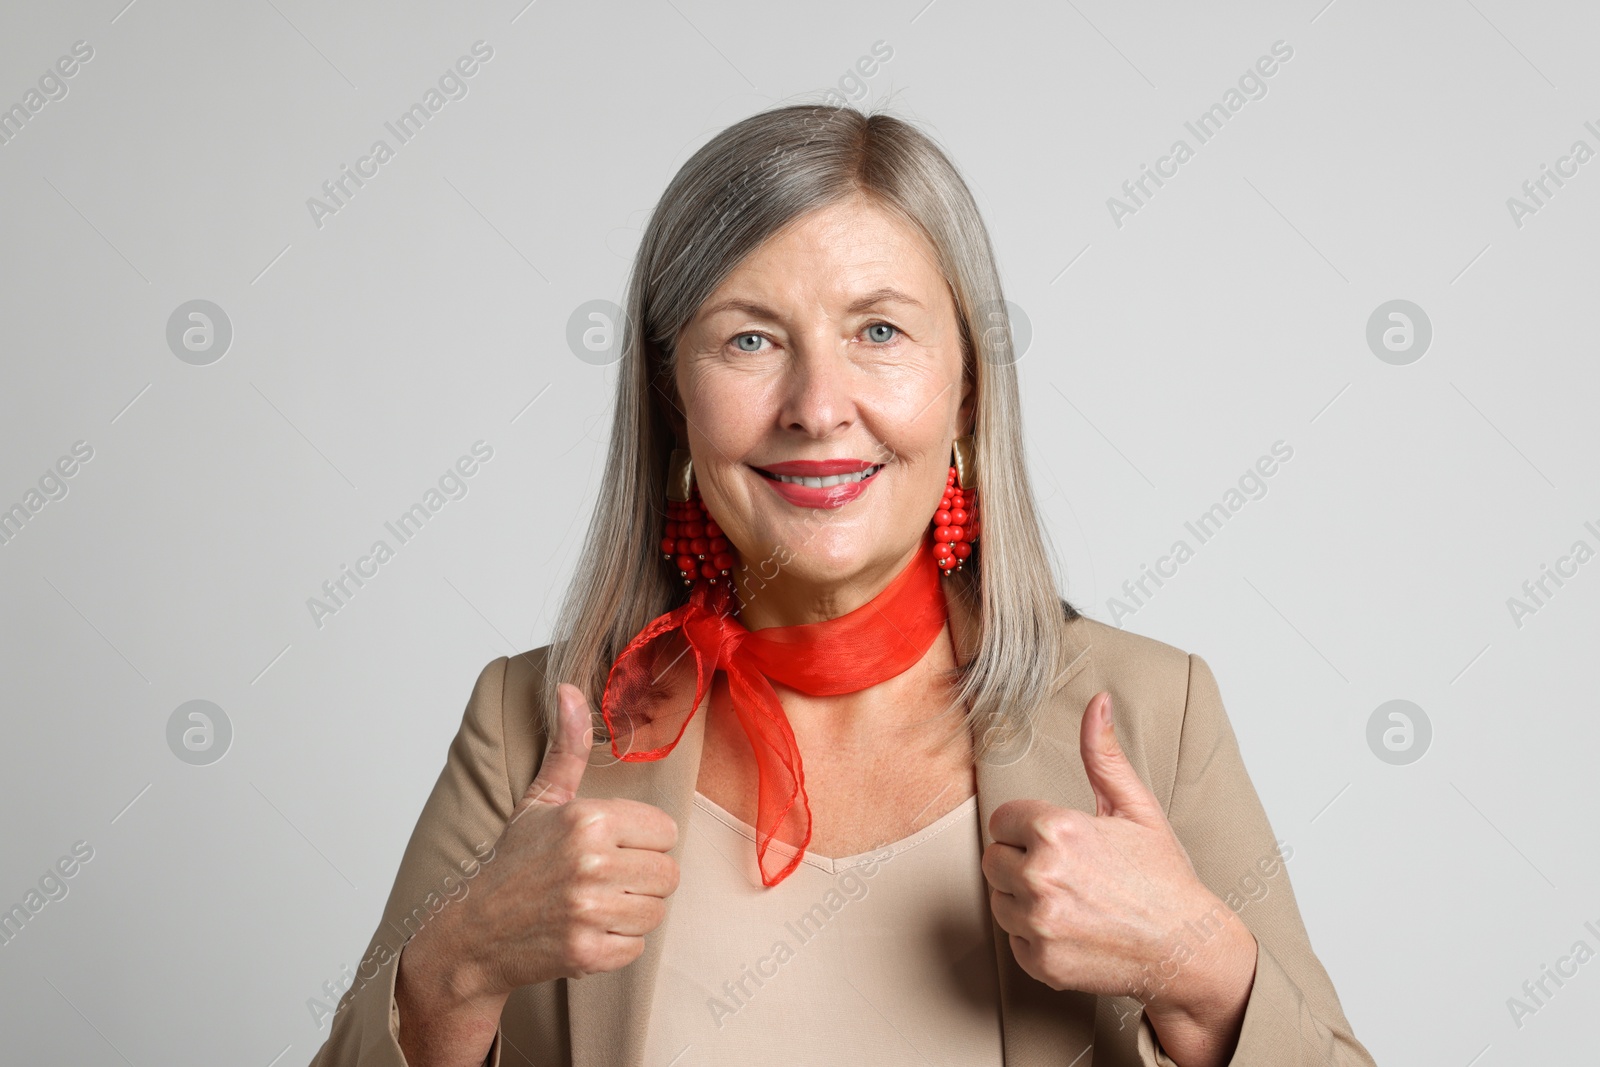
867	301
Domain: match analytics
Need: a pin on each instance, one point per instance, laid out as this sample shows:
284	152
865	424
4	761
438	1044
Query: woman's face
832	350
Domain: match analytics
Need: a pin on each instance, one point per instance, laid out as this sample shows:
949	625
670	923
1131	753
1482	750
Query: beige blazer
1171	723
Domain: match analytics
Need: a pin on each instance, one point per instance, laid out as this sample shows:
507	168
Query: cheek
724	427
723	405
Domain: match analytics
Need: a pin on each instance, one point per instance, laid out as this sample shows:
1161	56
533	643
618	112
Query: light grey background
1167	355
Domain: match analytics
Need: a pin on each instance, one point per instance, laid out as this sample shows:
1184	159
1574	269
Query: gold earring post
965	449
680	475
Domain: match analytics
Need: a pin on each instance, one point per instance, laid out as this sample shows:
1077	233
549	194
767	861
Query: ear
675	419
665	388
966	414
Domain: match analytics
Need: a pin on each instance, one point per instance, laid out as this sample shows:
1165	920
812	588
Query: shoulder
524	679
523	715
1141	667
503	730
1152	685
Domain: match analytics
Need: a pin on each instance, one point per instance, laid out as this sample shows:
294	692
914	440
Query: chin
822	555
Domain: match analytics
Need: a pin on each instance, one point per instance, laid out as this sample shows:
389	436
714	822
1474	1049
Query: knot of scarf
877	641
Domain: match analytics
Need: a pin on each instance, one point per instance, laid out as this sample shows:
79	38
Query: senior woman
867	789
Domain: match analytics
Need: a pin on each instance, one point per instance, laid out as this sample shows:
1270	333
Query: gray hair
740	188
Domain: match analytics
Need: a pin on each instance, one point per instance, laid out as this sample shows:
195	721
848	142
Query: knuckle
582	905
588	867
567	950
580	951
569	815
581	810
587	821
1035	879
1061	825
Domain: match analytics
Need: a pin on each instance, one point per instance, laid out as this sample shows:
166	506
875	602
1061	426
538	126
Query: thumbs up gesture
573	885
587	877
1110	904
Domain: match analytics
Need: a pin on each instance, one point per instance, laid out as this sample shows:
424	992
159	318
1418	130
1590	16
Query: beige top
884	957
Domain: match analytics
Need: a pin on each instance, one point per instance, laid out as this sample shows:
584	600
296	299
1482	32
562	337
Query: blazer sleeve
460	823
1293	1017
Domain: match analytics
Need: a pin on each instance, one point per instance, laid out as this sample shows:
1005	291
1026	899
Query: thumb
1118	789
568	755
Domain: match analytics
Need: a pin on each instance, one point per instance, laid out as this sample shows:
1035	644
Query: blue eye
881	338
754	338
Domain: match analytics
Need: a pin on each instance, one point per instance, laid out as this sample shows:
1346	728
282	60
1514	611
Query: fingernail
1111	730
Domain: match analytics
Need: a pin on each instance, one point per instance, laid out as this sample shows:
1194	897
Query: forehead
837	254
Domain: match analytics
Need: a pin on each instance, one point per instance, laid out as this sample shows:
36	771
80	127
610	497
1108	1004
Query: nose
818	398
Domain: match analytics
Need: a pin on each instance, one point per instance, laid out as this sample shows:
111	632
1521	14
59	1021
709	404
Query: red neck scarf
875	642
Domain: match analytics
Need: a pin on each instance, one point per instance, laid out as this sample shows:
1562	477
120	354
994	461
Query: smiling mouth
823	482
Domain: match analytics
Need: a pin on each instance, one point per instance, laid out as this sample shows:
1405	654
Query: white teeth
830	480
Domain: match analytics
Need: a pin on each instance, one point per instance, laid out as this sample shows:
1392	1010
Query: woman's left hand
1110	904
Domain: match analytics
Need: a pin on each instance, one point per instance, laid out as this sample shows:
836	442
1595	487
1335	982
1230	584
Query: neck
779	595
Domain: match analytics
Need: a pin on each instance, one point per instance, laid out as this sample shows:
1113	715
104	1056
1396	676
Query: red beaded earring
955	523
693	541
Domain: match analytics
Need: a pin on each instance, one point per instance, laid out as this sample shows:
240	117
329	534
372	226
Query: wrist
438	979
447	1019
1199	1014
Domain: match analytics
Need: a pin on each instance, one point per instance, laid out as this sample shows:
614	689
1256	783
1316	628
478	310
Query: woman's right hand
571	889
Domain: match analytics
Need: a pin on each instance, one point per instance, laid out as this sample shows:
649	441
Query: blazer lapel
1042	1027
608	1013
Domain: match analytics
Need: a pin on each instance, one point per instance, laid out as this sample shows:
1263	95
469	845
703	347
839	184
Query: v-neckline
832	864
